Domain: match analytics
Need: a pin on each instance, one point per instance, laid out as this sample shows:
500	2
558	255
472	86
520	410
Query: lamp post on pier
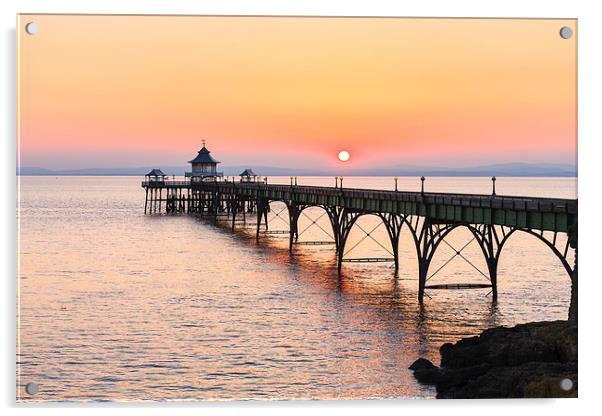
396	178
341	178
336	182
422	179
493	179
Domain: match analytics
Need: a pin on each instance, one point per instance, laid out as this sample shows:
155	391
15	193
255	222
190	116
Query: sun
343	155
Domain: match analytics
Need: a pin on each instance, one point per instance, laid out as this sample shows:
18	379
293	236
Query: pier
430	217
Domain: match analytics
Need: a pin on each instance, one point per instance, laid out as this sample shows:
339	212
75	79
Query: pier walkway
430	217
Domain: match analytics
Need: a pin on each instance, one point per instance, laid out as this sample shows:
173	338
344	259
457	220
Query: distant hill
141	171
505	169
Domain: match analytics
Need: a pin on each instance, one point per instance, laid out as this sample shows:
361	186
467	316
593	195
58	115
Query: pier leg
422	275
343	220
266	208
260	205
340	261
216	205
234	207
491	257
573	307
393	224
336	215
492	267
424	254
145	201
293	217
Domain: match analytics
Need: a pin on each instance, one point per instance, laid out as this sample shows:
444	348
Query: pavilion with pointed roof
204	165
155	175
248	176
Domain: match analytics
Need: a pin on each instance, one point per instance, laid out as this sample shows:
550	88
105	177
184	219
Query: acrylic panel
239	207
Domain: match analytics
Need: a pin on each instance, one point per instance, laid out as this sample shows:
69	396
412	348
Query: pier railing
540	213
165	184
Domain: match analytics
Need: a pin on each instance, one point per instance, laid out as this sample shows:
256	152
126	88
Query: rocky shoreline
533	360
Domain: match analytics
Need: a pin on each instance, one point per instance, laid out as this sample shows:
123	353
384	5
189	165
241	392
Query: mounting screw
32	388
566	32
32	28
566	384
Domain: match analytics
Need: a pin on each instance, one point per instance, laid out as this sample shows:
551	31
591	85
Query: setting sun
343	155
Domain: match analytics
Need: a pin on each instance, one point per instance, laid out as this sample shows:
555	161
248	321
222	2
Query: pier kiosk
204	167
248	176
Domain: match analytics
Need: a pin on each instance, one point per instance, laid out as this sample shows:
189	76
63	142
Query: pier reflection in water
115	305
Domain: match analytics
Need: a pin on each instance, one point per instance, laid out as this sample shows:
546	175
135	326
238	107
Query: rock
540	341
422	364
528	360
430	376
425	371
460	376
533	380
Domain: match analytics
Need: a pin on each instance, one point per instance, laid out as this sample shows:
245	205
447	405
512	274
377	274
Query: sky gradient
127	91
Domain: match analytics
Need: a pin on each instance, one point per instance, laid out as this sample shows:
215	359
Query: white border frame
590	134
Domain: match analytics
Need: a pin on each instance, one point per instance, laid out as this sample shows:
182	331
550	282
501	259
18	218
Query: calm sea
116	305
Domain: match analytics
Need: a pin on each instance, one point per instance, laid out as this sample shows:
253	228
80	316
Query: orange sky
128	91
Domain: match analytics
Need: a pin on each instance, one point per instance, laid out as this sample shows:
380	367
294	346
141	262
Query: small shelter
155	175
248	176
204	165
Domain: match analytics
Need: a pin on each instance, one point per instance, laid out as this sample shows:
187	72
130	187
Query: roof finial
203	142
